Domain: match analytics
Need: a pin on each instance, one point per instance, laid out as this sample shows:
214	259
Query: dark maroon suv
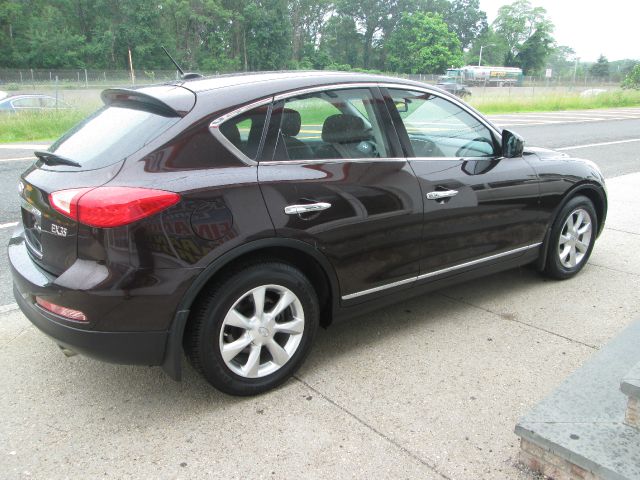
228	217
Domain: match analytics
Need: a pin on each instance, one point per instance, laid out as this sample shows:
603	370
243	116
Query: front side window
437	127
333	124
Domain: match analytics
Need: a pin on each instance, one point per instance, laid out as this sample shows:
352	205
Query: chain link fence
81	87
20	79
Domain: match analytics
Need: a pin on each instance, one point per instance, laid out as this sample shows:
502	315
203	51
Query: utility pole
133	75
481	47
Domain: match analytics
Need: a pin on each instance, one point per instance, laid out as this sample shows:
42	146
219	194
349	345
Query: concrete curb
579	431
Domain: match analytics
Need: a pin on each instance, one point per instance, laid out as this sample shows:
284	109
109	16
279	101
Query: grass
555	102
32	126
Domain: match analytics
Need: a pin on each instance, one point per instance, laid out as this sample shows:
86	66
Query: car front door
331	176
478	206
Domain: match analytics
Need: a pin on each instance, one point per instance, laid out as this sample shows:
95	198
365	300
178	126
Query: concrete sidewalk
431	388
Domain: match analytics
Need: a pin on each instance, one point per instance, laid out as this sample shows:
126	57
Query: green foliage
534	51
465	18
562	61
516	24
422	43
600	69
221	35
493	52
26	126
341	43
632	80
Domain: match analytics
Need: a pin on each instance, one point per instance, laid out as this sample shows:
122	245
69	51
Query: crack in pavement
503	317
621	231
382	435
9	342
613	269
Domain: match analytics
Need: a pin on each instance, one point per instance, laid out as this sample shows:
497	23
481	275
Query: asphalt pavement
430	389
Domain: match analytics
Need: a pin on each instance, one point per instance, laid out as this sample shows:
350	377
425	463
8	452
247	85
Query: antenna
174	62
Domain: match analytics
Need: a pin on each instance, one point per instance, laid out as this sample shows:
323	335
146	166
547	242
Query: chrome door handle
439	194
306	208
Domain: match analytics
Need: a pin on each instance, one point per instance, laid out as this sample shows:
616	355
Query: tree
563	61
371	16
422	43
341	44
632	80
518	22
268	34
307	18
493	52
533	53
465	18
600	69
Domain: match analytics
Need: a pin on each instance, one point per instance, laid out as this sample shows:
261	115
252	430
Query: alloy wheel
261	331
575	238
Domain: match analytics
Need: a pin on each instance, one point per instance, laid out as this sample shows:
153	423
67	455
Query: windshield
110	135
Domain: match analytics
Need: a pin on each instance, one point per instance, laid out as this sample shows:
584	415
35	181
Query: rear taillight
111	206
69	313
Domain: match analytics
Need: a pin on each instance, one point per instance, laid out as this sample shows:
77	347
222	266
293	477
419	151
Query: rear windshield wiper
53	159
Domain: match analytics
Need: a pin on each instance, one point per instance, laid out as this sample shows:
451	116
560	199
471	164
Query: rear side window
110	135
245	130
332	124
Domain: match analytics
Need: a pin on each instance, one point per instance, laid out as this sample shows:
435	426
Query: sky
591	28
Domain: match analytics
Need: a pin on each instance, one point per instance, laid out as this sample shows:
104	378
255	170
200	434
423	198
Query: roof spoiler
133	98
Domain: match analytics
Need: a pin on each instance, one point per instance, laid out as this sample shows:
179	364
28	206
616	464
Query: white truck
493	76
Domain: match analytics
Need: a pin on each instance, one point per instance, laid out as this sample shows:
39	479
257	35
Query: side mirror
402	105
512	144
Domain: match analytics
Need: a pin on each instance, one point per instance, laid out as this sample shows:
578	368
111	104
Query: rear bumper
126	325
143	348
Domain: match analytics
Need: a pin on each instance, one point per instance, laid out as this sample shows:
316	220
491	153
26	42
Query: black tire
554	265
203	339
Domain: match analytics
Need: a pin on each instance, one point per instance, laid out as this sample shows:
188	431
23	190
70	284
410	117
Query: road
617	129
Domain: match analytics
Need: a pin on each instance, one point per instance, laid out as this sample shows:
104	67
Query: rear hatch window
109	136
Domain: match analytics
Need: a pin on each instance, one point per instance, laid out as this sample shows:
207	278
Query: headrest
291	122
344	128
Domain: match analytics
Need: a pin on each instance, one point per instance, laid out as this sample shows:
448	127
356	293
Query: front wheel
251	332
572	237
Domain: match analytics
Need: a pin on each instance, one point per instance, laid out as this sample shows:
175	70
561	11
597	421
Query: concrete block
578	432
632	415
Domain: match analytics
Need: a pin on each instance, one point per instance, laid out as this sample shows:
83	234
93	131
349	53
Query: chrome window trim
460	159
214	128
441	271
333	160
332	86
234	113
215	123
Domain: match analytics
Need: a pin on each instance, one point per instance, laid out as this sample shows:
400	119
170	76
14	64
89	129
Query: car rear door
331	176
478	206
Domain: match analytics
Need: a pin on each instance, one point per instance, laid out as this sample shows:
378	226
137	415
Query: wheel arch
594	192
294	252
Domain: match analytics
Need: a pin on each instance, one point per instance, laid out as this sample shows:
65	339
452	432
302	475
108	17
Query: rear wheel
251	332
572	238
